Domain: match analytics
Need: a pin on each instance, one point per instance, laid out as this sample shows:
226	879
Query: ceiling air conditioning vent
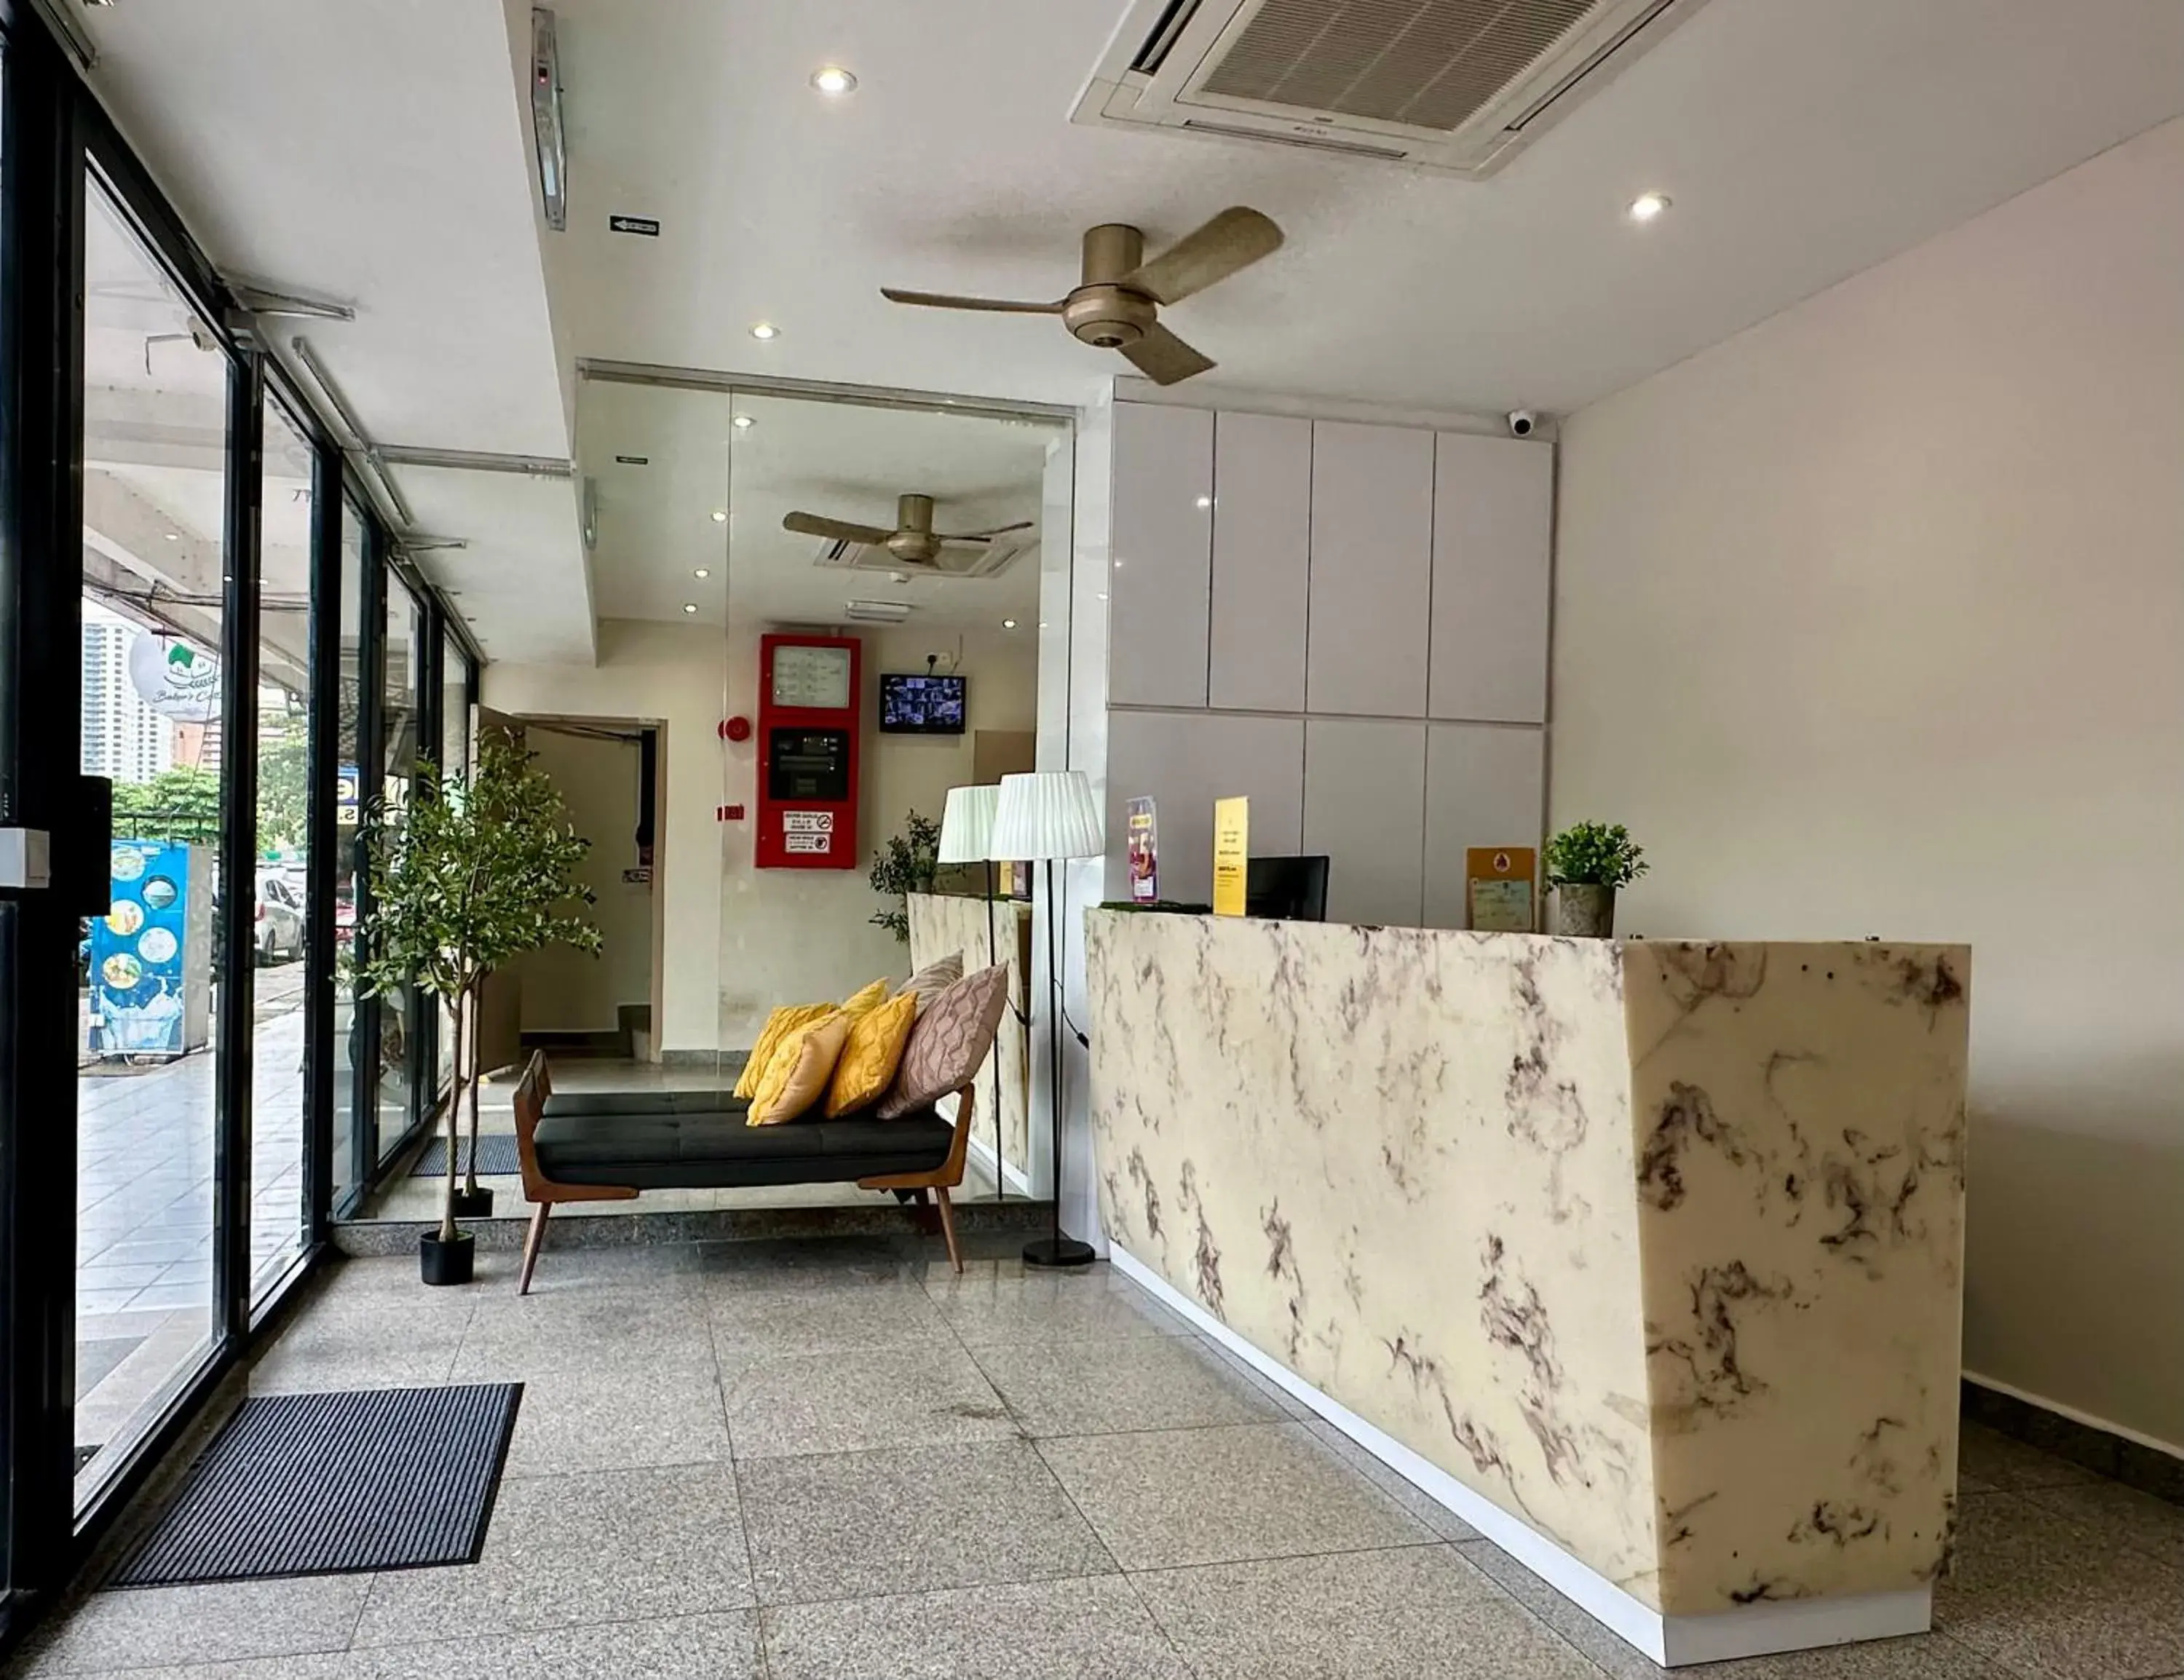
876	612
1456	85
988	560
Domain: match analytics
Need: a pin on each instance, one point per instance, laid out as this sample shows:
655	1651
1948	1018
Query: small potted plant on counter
470	873
1586	862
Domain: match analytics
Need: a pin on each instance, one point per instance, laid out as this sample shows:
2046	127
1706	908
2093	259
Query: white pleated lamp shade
966	826
1047	814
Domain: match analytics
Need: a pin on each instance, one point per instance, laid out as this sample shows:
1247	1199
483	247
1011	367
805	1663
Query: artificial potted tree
472	872
1586	862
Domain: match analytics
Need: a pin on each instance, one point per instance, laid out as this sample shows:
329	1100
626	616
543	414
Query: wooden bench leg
948	1225
532	1244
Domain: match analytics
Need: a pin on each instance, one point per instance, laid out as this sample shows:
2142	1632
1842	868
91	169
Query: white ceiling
850	461
1801	140
379	153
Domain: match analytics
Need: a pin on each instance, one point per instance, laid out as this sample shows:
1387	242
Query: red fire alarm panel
809	714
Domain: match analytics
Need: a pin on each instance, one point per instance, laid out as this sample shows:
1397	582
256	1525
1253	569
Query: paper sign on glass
1231	850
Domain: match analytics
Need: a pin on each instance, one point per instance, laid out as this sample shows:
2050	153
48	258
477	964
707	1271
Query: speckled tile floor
820	1460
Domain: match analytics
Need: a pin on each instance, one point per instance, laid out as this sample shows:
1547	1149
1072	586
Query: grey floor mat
497	1157
330	1484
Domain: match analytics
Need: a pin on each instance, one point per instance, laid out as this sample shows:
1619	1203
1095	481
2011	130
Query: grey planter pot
1584	910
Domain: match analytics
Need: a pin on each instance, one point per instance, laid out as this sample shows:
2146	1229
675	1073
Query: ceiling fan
913	541
1116	304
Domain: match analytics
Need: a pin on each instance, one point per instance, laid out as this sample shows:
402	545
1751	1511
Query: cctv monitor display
921	705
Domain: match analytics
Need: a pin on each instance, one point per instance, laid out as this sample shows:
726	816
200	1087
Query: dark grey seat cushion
645	1102
719	1150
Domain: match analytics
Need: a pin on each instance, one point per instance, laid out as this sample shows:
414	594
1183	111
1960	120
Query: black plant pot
473	1204
446	1262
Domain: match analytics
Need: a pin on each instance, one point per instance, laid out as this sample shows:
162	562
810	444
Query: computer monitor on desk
1286	889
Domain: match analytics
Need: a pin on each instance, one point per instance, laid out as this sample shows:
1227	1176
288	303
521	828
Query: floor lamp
967	832
1040	818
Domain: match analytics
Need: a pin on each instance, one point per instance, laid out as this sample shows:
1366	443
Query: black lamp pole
1054	1249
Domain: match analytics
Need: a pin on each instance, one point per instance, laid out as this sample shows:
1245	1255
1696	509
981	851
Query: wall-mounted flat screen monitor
921	705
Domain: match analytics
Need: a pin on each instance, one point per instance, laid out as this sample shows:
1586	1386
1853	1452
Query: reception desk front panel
1656	1247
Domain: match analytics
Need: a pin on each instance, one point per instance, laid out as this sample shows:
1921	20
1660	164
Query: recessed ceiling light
174	536
1205	501
702	572
743	422
689	606
1008	624
833	82
765	330
1647	205
720	516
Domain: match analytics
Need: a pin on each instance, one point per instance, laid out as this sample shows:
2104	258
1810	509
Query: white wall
670	675
563	990
1871	620
803	935
738	939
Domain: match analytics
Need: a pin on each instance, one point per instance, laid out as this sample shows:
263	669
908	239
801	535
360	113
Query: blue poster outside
138	986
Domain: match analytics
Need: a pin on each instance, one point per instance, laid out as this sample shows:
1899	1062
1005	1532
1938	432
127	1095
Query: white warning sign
807	843
793	823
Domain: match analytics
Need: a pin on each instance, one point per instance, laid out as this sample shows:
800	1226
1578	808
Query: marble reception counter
1647	1257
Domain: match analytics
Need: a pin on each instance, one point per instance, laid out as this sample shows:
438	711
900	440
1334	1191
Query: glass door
148	973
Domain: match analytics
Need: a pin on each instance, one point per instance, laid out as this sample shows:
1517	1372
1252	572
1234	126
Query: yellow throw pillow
778	1025
797	1076
872	1054
867	998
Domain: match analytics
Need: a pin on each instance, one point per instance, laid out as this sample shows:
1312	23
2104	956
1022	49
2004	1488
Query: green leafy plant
1595	854
470	872
907	864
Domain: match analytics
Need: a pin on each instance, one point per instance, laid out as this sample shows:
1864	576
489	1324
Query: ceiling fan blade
1164	358
942	300
836	529
1235	239
984	536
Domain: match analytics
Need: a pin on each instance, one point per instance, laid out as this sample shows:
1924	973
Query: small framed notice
1499	892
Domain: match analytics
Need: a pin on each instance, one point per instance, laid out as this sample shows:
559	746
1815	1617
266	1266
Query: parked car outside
279	933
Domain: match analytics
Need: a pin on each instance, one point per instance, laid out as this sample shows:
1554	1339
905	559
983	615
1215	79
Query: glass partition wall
872	678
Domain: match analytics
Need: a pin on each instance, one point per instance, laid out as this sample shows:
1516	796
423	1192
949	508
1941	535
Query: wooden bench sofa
612	1146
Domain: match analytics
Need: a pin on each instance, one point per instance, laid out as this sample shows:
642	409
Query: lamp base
1058	1251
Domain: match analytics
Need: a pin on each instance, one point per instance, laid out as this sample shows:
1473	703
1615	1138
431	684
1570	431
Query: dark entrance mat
497	1157
333	1484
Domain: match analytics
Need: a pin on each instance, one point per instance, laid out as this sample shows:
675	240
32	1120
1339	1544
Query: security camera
1523	422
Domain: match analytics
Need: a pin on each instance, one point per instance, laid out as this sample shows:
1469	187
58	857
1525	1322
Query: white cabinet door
1494	505
1484	787
1261	561
1160	575
1364	808
1184	764
1372	568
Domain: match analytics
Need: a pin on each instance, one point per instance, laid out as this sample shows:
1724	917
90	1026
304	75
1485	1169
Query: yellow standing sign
1231	849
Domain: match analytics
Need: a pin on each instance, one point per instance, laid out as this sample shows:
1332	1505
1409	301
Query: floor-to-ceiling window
453	757
401	715
355	1090
155	459
279	1211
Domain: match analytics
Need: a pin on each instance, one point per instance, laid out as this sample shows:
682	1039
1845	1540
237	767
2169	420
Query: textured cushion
711	1151
797	1077
864	1000
873	1053
950	1039
783	1021
934	978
